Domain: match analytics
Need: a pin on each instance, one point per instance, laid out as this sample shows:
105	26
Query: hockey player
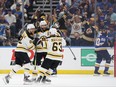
21	53
41	51
54	55
102	42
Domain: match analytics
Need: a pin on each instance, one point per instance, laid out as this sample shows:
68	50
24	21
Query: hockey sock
43	71
50	71
14	70
35	72
107	65
97	65
26	69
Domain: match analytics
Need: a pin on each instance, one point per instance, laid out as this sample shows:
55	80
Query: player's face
44	26
32	30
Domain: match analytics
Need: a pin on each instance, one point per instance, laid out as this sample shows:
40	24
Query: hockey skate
54	72
97	73
39	79
7	79
43	79
27	81
34	77
106	73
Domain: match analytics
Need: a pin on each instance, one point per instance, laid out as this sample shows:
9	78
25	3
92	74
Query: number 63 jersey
54	47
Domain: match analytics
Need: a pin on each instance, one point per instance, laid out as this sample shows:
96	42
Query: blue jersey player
101	44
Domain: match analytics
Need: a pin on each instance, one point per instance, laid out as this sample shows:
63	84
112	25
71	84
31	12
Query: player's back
55	48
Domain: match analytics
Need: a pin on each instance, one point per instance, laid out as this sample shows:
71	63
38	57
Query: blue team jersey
2	30
101	42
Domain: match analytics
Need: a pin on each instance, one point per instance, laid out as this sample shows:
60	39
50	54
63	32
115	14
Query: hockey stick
38	41
68	45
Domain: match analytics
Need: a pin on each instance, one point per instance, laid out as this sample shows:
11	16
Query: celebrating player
41	51
54	55
21	53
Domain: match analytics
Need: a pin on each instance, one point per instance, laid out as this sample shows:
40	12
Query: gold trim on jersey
99	49
88	38
21	49
54	55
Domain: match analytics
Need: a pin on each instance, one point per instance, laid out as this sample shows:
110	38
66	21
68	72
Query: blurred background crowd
79	20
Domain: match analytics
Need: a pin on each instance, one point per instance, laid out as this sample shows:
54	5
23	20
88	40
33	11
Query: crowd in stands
11	12
79	20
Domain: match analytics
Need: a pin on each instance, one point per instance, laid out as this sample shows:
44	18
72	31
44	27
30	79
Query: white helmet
42	23
30	26
53	31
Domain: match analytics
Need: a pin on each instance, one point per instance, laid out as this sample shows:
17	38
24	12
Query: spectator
11	20
1	3
3	20
10	17
7	42
60	4
2	34
88	35
68	40
62	21
76	41
105	4
18	7
26	6
76	26
8	3
17	11
79	13
113	15
68	26
92	7
18	15
75	3
1	12
36	17
102	25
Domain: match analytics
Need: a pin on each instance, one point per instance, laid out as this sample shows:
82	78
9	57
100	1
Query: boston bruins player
54	55
41	52
21	53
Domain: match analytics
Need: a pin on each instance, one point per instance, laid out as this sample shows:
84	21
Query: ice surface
64	81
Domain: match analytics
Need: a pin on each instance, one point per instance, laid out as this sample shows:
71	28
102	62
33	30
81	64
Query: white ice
64	81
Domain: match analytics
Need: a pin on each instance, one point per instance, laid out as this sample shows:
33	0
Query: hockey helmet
30	26
42	23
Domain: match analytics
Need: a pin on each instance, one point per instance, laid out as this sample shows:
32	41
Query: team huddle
47	44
